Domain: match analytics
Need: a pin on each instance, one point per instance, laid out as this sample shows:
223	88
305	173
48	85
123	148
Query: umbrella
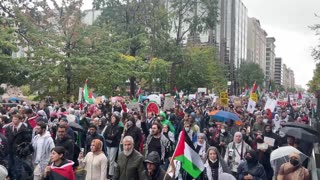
75	126
225	116
281	156
299	133
14	99
212	113
303	126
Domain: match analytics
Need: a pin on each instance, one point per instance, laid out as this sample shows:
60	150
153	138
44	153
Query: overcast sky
287	21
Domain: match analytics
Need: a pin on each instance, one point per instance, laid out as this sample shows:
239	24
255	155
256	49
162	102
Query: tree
12	70
314	84
158	74
316	50
201	69
250	73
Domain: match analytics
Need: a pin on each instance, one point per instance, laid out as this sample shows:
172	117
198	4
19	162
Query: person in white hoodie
42	145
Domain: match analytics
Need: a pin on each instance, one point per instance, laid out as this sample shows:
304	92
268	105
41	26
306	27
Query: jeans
112	154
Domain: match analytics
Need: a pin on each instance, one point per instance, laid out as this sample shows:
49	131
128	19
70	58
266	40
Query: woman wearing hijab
251	168
95	162
215	166
201	146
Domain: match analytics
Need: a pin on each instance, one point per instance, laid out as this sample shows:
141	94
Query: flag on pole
187	155
87	95
177	96
254	87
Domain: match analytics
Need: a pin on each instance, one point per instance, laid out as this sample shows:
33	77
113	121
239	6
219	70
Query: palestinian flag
187	155
87	95
254	87
64	172
177	96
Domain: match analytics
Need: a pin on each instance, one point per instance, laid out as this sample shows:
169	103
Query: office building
278	71
257	43
270	59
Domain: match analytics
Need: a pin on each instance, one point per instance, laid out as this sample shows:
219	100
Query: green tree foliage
314	84
129	41
11	70
249	73
158	75
201	69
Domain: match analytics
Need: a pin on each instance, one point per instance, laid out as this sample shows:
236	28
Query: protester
112	136
129	163
251	168
42	145
95	162
60	168
153	170
92	134
293	169
214	165
235	152
20	147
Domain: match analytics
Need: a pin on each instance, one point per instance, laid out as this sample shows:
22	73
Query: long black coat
19	143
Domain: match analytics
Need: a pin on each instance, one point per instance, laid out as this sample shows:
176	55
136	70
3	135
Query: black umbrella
299	133
303	126
75	126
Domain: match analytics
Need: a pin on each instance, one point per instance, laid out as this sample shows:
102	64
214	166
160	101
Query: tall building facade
285	76
291	81
270	59
231	37
278	71
231	32
257	43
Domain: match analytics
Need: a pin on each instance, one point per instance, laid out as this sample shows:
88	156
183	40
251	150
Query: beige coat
95	166
289	172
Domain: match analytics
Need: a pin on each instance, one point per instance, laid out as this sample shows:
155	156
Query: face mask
187	129
294	162
223	130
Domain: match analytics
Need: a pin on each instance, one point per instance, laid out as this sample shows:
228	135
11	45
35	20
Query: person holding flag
189	159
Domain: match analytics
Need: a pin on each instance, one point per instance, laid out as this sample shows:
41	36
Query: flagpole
171	160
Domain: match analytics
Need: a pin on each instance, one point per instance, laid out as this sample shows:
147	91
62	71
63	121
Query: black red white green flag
87	95
187	155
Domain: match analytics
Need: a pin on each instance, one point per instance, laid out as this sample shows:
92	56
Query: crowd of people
109	141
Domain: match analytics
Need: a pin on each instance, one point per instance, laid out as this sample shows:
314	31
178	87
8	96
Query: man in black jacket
133	131
65	141
92	134
112	136
19	141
